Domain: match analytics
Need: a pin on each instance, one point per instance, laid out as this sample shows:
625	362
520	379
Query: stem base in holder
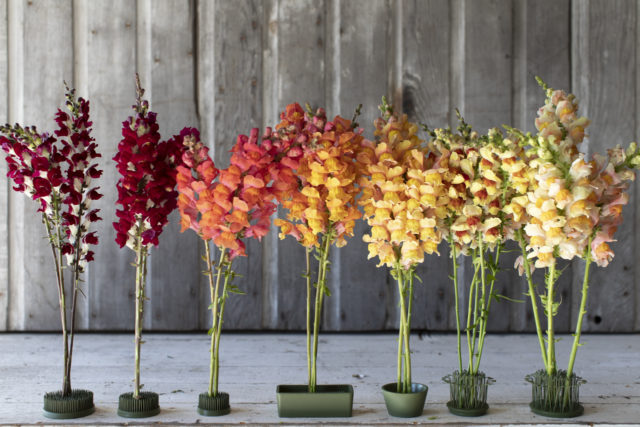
555	395
146	406
468	393
405	405
213	406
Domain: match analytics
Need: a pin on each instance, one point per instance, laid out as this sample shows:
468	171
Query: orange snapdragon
327	165
321	162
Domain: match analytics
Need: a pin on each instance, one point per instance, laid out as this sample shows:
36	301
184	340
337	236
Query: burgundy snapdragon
146	190
79	151
57	173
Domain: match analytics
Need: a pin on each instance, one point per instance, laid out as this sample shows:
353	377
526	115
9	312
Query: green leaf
326	291
499	297
236	290
210	332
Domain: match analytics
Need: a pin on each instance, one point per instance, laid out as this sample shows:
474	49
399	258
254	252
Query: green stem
57	260
320	289
551	350
532	293
474	328
227	276
583	311
308	276
141	271
403	330
483	330
407	335
455	289
76	284
470	342
483	312
213	292
399	280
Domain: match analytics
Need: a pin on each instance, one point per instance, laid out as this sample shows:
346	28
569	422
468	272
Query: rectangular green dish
329	401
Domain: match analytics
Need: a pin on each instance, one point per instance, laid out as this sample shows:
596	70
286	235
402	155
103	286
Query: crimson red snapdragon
146	190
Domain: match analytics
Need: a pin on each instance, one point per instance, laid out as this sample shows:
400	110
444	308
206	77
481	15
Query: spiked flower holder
77	404
555	395
213	406
468	393
147	405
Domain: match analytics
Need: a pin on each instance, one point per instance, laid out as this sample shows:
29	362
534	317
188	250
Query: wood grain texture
359	289
486	101
296	38
542	47
174	274
34	297
111	36
226	66
604	62
252	364
4	181
238	30
426	99
636	220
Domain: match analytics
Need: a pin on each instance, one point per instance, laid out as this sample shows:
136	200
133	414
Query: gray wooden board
43	20
358	58
541	48
4	181
299	33
636	282
111	35
174	273
426	99
604	68
248	60
176	367
487	103
237	47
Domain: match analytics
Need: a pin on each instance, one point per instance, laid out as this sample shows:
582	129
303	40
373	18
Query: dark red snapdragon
146	190
57	172
79	150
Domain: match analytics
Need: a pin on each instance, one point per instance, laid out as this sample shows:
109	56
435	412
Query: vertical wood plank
541	48
294	60
205	84
358	288
426	99
34	297
4	182
174	273
16	202
636	220
604	69
486	100
111	37
237	108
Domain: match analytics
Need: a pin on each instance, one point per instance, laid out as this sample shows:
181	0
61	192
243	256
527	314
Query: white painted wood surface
226	66
176	367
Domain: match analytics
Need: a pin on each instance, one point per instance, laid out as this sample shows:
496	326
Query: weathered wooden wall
229	65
